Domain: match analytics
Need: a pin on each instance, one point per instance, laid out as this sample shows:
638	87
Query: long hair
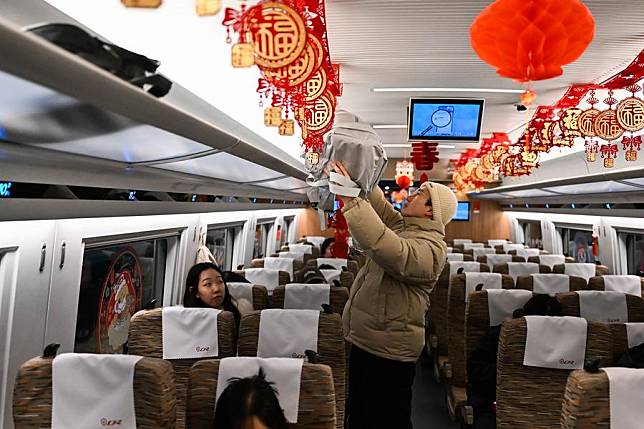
245	398
190	298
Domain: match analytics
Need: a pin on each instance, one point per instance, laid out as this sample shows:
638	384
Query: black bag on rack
134	68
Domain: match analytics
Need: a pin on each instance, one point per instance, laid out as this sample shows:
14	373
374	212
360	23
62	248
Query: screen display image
444	119
462	211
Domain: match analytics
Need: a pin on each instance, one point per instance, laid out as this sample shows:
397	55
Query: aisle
428	404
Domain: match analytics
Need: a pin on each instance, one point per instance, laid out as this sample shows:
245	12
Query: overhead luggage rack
58	102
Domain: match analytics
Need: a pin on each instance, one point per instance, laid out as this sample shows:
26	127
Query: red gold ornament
592	147
287	127
424	155
609	153
632	146
630	114
208	7
278	34
272	116
404	174
528	97
586	122
142	3
319	112
607	127
528	40
242	55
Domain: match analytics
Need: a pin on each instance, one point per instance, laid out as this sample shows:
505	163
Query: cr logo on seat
106	422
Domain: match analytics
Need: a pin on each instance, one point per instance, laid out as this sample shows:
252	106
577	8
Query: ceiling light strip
474	90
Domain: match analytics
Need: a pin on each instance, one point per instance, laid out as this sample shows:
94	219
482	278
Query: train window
635	253
288	223
116	282
261	237
221	242
577	244
532	234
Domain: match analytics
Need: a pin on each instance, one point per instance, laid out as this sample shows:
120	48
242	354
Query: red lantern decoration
403	182
424	155
424	178
528	40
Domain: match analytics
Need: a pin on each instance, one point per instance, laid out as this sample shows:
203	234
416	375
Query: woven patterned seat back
352	265
530	397
527	283
586	401
146	339
315	253
438	307
600	270
504	268
570	306
456	327
316	405
338	297
483	259
153	385
346	278
259	263
536	260
468	257
597	283
331	350
284	276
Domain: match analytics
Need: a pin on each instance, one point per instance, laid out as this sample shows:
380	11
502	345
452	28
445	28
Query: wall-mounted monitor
439	119
462	211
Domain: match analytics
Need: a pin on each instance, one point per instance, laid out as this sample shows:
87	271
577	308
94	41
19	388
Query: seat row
179	372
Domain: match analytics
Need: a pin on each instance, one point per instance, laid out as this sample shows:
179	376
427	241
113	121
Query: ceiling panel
223	166
529	193
421	43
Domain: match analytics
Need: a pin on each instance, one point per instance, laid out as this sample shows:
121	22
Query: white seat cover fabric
468	246
551	284
605	307
526	253
480	251
494	243
631	285
450	249
458	241
507	247
492	259
293	255
266	277
241	291
300	248
279	264
584	271
635	334
489	281
331	275
626	387
555	342
502	303
189	333
285	374
316	240
300	296
455	257
287	333
91	390
467	266
552	260
336	263
516	269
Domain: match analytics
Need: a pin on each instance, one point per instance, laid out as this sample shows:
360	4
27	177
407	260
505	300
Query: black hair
325	245
233	277
245	398
540	305
326	267
190	299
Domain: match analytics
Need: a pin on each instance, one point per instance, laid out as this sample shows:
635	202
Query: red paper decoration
424	155
403	182
528	40
424	178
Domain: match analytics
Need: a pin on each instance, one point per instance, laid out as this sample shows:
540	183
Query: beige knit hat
443	201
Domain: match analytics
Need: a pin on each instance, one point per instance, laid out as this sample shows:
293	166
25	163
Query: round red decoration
403	182
530	40
424	178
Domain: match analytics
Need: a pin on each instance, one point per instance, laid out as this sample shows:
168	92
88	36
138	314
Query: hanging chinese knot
529	40
287	41
609	153
424	155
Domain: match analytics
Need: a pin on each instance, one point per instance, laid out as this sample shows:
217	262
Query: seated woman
481	363
249	403
206	288
327	247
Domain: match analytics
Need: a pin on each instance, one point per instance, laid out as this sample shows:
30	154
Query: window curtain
552	241
612	253
516	232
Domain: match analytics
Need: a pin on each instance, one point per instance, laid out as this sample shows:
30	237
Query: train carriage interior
141	137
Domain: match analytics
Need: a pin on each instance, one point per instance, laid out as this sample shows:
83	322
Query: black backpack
134	68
